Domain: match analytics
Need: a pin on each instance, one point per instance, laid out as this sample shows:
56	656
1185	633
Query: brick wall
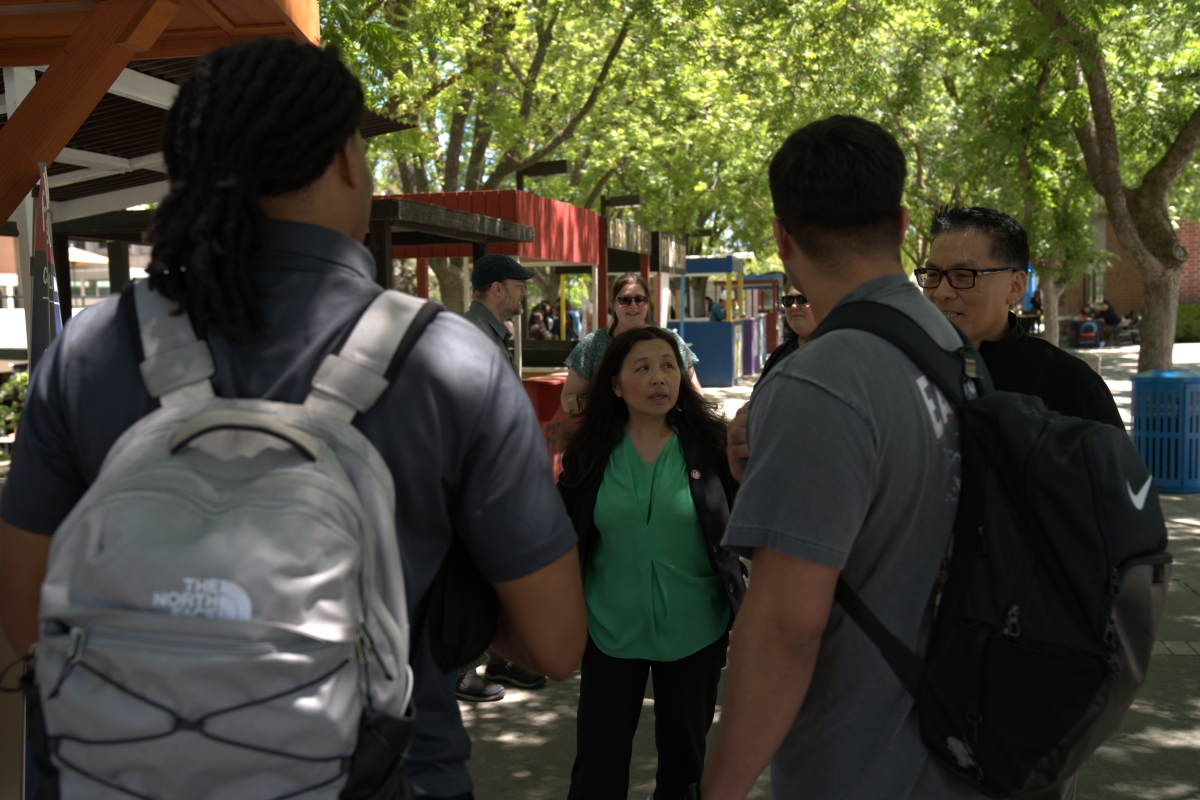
1189	284
1123	281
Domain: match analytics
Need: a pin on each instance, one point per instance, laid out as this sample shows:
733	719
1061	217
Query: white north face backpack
223	616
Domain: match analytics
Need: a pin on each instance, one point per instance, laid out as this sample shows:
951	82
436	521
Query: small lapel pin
695	474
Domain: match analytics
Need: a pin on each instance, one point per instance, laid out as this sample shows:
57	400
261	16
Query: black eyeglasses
790	300
634	299
959	277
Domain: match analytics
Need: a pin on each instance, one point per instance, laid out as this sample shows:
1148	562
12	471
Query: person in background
574	324
647	486
629	306
974	274
717	313
498	286
798	326
708	304
537	327
1108	314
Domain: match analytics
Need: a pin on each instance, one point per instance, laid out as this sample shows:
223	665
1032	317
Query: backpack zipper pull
1110	631
366	648
1114	582
74	656
1012	625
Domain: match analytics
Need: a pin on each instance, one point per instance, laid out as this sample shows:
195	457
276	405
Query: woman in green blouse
648	487
630	306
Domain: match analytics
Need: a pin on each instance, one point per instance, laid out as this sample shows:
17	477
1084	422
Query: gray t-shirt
455	428
855	465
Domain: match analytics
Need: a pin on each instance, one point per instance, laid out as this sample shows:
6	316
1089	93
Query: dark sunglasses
635	299
790	300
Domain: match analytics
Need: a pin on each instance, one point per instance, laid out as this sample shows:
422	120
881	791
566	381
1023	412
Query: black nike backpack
1058	575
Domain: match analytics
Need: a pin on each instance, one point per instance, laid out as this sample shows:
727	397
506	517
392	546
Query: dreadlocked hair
258	119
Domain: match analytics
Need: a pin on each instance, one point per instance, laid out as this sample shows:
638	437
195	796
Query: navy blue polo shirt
456	429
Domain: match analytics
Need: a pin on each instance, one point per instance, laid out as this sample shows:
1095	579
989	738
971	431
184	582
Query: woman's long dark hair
599	426
621	283
258	119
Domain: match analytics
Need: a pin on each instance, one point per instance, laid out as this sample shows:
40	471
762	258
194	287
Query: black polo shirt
1023	363
456	429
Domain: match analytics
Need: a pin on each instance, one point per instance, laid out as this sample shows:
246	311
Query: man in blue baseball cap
498	285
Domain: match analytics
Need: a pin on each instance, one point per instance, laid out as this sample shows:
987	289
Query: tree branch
454	144
598	187
509	164
1026	134
1156	185
544	36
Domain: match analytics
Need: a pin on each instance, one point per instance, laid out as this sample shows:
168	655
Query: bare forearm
543	619
765	685
773	650
22	568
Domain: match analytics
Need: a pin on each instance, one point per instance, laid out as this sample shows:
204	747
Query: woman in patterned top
629	306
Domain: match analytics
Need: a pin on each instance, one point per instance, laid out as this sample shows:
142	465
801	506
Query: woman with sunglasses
629	306
647	485
798	326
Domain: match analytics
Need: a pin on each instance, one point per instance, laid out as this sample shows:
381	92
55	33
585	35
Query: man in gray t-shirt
854	472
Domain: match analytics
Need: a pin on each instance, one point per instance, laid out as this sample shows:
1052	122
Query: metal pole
562	306
682	302
118	266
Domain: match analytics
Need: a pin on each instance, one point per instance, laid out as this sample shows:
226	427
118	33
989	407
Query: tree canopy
994	103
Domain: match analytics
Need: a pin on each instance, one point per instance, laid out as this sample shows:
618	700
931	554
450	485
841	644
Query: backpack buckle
971	377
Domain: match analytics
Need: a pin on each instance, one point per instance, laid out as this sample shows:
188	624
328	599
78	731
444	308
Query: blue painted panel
718	345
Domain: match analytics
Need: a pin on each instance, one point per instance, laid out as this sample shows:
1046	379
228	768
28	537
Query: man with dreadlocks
259	243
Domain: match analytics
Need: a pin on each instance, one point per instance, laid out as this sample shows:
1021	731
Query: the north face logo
215	598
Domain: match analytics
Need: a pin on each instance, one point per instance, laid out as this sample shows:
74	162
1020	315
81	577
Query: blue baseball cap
495	267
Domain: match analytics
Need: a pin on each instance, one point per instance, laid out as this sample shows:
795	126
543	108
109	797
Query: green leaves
983	96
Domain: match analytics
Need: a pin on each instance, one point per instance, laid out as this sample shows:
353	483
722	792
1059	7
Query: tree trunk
696	289
1051	292
1160	291
547	283
453	280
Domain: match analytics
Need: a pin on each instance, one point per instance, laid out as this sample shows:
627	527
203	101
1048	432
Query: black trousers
610	701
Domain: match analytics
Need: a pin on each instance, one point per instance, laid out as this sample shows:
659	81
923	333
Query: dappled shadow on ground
1155	755
524	745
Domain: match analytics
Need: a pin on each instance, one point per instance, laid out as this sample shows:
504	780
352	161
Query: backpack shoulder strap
350	381
959	373
176	365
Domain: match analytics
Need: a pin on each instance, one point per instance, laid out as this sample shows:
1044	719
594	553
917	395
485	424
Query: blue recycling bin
1166	427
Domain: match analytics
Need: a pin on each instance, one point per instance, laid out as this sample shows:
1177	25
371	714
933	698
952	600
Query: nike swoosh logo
1139	499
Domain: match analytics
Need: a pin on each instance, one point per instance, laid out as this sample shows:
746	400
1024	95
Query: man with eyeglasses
498	286
975	273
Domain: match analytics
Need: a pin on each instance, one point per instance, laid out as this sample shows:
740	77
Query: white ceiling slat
109	201
82	158
147	89
81	175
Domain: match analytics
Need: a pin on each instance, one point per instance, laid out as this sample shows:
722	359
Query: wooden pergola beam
77	78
